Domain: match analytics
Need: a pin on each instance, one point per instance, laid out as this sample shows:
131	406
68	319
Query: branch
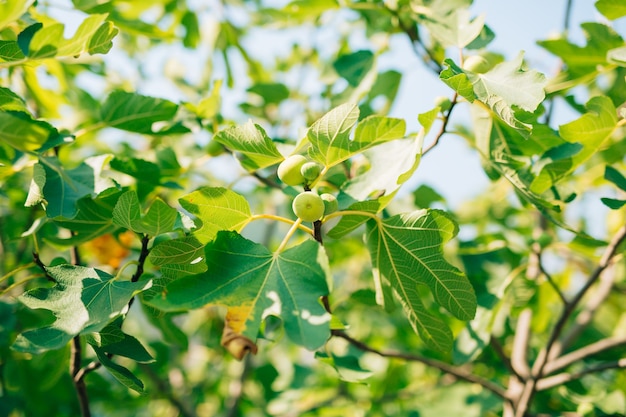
556	380
442	366
584	353
519	360
79	382
542	359
444	125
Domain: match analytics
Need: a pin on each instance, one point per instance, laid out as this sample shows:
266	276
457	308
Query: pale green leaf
159	219
374	130
216	209
617	56
330	135
591	131
612	9
10	51
179	257
392	164
250	140
255	283
510	85
12	10
455	28
407	250
83	300
9	101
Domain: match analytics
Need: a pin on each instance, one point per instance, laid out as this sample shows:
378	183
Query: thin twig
556	380
551	281
442	366
584	353
499	351
444	125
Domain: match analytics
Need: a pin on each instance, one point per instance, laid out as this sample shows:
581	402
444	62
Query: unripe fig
443	102
330	203
308	206
289	170
214	148
310	170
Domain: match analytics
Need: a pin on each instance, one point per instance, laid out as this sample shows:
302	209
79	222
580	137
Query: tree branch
444	125
79	383
519	360
556	380
584	353
442	366
538	368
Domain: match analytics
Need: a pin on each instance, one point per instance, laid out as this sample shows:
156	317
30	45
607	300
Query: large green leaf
12	10
83	300
250	140
216	209
590	132
178	257
135	112
255	283
406	250
351	222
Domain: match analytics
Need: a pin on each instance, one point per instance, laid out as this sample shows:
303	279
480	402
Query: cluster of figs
309	206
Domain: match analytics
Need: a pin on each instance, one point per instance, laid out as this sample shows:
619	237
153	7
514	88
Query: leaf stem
290	233
350	213
18	283
16	270
276	218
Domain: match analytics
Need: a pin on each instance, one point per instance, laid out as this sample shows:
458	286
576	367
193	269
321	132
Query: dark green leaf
255	283
616	177
353	67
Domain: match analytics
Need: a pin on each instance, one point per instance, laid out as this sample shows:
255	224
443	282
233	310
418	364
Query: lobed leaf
136	113
254	283
407	251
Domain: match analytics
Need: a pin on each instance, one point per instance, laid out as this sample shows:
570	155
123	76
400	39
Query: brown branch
542	359
559	379
444	125
79	383
442	366
584	353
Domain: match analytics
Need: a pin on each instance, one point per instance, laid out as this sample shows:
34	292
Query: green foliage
151	154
